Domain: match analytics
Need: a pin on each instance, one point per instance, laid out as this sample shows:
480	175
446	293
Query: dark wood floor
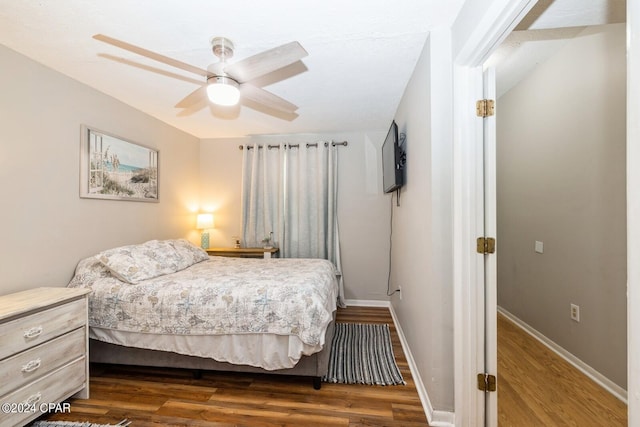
172	397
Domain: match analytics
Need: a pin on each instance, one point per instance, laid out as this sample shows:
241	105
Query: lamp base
204	240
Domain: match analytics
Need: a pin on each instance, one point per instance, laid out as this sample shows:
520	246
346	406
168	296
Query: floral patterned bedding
215	295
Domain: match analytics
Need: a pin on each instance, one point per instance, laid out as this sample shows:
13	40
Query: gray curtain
292	192
262	195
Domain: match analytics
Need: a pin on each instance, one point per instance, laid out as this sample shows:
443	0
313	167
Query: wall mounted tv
392	161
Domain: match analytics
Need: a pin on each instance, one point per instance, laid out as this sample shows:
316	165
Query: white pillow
188	252
87	272
135	263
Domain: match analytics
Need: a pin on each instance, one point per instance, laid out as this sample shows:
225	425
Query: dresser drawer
26	332
54	387
31	364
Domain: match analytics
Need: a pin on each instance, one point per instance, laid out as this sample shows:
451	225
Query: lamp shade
204	221
223	91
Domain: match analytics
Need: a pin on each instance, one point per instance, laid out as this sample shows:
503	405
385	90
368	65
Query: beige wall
363	211
221	187
422	224
561	180
45	227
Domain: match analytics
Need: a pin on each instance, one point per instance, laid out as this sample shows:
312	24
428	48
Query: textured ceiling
361	54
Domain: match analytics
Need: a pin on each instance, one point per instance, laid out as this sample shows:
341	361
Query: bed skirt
315	365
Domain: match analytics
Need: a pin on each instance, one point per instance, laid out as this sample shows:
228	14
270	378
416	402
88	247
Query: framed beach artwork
116	169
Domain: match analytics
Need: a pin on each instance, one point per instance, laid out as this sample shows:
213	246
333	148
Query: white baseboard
367	303
442	419
435	418
596	376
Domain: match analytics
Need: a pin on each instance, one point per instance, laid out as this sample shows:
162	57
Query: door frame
633	212
490	260
468	207
495	25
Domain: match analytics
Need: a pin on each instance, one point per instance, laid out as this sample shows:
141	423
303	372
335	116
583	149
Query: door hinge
485	107
486	382
486	245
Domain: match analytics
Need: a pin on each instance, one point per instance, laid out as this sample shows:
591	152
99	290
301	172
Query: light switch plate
539	247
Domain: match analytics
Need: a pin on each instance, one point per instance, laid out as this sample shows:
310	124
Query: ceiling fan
226	83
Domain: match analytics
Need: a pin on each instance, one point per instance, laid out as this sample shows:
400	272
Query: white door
490	264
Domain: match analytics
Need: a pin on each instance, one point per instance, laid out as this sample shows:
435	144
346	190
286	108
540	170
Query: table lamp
204	222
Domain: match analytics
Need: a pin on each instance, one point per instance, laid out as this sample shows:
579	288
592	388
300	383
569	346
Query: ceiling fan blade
194	97
265	62
150	68
268	99
152	55
192	109
282	115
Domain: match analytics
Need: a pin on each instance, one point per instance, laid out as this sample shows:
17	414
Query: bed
168	303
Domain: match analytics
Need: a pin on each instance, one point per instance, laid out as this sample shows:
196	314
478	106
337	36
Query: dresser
244	252
43	351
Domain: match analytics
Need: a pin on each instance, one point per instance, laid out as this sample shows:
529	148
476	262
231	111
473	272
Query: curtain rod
308	144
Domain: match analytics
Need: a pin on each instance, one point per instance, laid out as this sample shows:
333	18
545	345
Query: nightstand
244	252
43	351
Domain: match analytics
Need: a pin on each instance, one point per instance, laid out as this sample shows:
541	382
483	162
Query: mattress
263	313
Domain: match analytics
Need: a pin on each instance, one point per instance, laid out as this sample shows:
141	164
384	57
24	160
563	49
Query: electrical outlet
575	312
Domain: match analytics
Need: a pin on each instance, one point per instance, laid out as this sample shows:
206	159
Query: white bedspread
292	298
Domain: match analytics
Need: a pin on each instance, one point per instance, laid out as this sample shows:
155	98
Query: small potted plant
266	242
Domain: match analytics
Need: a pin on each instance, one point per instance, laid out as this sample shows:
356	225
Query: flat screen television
392	161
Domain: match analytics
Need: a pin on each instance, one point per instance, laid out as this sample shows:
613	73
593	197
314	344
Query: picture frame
115	168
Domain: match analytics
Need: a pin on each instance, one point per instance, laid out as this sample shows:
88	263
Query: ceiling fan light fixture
223	90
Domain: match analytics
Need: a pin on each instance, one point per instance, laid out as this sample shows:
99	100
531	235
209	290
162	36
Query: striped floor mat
362	354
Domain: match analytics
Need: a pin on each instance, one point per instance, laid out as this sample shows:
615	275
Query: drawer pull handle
33	399
31	366
33	332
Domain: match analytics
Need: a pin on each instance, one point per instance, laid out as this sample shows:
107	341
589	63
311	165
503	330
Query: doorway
561	184
489	29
